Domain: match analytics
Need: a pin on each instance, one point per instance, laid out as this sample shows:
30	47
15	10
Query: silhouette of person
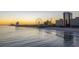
17	23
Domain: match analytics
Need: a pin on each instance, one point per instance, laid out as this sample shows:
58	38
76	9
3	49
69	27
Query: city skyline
35	14
28	17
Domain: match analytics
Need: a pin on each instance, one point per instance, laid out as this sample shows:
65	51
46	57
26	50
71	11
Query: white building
74	22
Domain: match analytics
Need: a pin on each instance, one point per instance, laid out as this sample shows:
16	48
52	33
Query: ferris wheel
38	21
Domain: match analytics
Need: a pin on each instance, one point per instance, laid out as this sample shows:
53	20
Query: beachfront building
75	22
67	18
60	23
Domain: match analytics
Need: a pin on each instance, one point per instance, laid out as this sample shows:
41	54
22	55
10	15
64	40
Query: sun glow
22	21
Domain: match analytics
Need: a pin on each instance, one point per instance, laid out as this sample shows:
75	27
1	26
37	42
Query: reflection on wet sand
37	37
19	28
68	39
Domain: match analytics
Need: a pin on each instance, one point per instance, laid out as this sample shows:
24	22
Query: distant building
75	22
67	18
60	23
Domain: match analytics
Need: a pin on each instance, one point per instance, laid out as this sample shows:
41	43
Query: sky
7	17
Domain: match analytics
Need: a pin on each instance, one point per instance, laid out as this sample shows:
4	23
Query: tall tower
67	18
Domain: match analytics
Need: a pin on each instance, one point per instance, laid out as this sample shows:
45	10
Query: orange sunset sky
22	21
13	21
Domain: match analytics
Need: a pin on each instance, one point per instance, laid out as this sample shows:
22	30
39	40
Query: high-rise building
67	18
75	22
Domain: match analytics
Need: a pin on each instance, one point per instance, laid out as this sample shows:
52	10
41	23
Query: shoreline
71	29
66	29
